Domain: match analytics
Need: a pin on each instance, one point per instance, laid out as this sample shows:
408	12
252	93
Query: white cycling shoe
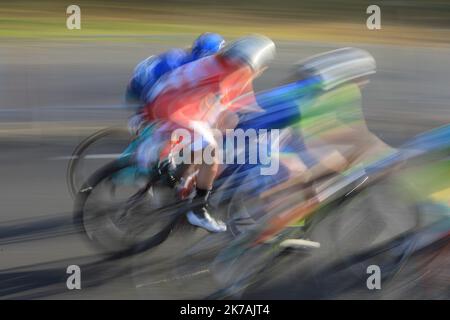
300	244
204	220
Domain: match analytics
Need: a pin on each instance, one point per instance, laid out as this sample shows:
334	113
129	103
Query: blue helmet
207	44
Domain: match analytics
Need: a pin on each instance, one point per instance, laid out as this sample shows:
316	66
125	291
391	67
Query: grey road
52	94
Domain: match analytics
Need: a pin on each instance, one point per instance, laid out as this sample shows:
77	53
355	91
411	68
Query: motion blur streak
364	175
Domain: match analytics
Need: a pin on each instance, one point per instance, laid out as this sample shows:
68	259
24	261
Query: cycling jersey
199	91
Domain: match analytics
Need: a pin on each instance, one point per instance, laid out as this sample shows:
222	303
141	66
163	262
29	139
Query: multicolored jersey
200	91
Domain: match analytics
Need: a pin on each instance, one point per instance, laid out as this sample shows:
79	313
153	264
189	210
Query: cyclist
150	70
328	133
321	109
199	96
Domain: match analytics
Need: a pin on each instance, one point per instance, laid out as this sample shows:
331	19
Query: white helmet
338	66
255	50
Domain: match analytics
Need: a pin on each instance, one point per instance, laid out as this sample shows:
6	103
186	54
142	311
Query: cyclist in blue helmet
150	70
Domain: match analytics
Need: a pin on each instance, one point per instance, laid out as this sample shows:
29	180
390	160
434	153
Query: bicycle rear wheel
92	153
123	217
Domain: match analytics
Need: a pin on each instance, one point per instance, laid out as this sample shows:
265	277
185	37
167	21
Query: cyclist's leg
199	214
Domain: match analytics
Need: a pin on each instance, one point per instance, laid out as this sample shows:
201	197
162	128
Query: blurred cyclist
321	107
200	96
150	70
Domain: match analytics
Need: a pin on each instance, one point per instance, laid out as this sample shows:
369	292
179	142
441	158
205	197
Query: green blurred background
402	21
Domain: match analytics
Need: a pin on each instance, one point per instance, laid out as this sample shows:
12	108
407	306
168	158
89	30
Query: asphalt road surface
53	94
